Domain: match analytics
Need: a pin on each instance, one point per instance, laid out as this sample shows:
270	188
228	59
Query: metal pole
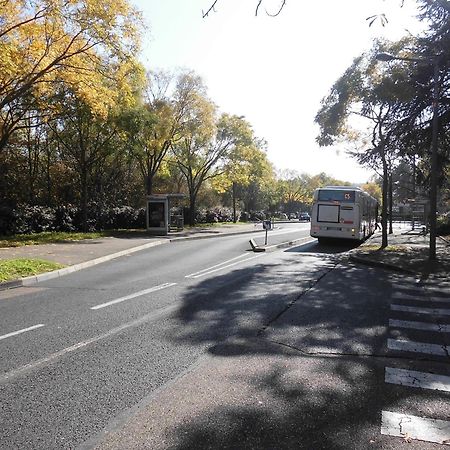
434	164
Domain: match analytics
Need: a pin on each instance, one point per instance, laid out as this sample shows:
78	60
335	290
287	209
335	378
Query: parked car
292	216
304	217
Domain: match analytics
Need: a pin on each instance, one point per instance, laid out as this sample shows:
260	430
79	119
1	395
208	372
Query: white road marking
216	265
414	309
208	271
413	427
444	328
49	359
423	298
418	347
24	330
136	294
416	379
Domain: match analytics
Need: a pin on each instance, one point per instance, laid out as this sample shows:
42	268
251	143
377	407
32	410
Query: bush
33	219
256	216
443	225
64	218
214	215
27	219
6	220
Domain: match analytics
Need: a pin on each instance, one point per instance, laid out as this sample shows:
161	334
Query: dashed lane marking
215	268
23	330
416	379
191	275
418	347
136	294
156	315
413	427
413	325
420	310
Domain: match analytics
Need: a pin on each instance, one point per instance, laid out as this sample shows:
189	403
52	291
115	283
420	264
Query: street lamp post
434	142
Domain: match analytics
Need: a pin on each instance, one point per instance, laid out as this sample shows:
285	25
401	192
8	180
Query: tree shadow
300	353
331	247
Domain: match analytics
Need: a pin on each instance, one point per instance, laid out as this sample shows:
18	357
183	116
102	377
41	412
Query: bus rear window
336	196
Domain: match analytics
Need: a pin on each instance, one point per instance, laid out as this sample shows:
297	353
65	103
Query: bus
343	212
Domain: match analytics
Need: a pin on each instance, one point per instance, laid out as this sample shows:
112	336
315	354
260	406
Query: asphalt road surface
77	350
79	353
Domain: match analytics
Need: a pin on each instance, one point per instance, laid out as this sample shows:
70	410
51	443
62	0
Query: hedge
27	219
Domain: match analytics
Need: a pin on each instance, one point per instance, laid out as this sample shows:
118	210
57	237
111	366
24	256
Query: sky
274	71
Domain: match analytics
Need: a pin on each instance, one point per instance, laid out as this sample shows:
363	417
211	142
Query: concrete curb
206	236
33	279
288	244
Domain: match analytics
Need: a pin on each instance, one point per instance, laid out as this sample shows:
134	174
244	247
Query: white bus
343	212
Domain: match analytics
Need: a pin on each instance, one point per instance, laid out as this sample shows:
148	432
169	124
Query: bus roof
353	188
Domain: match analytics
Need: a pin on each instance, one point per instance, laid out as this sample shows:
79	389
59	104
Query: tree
373	189
86	141
239	165
367	91
293	190
205	141
45	43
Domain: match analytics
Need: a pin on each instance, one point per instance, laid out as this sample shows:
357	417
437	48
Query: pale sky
273	70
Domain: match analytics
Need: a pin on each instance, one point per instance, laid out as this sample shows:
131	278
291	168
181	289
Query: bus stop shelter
164	213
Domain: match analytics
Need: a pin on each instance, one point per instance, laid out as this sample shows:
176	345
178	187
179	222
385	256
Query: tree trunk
84	202
149	184
390	204
48	177
234	202
384	207
192	200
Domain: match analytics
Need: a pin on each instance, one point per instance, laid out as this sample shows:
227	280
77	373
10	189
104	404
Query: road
95	342
166	325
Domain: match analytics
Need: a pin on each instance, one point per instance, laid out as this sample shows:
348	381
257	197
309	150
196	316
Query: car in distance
304	217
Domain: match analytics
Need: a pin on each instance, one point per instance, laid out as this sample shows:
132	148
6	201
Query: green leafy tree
368	91
239	164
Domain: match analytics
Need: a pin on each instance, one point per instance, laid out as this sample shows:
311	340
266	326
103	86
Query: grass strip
47	237
13	269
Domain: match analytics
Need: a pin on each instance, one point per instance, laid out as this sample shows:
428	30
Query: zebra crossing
420	324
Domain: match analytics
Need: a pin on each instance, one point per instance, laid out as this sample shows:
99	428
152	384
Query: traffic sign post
267	225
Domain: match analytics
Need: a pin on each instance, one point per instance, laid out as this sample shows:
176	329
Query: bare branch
211	8
283	3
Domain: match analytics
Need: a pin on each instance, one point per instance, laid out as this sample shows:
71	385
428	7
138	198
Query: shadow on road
300	361
331	247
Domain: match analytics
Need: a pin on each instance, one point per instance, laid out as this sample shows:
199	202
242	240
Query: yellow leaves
83	44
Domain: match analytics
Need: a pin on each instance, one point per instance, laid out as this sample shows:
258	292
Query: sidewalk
407	252
79	255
